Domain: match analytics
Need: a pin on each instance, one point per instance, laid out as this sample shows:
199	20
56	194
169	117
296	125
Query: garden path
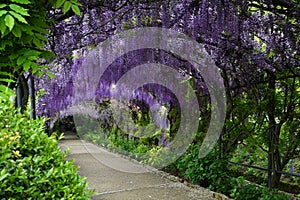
114	177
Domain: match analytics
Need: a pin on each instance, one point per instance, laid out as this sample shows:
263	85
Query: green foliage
67	5
210	171
253	192
252	120
255	156
24	26
158	156
121	143
244	191
31	164
5	93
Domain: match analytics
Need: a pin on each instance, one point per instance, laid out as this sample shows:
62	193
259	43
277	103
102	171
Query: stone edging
173	178
216	195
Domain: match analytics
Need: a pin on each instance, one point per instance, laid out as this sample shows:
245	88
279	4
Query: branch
290	153
263	149
62	16
295	76
275	10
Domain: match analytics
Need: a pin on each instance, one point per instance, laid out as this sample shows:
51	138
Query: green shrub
209	172
31	163
253	192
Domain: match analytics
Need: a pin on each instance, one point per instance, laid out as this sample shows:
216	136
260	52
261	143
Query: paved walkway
116	178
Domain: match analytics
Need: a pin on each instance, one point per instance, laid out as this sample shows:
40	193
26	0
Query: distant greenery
31	164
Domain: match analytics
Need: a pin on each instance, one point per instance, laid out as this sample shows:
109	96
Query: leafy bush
209	171
213	173
31	163
251	192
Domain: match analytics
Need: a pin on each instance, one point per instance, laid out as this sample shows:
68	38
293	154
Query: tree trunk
22	92
272	129
277	159
275	180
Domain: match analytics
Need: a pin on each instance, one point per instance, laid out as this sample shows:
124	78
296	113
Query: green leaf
3	172
27	65
14	55
9	93
27	39
4	64
75	2
41	37
34	68
50	75
76	9
41	30
59	3
40	73
19	9
21	60
293	20
5	33
27	29
6	80
18	17
2	26
271	54
263	47
17	32
37	42
9	21
48	55
39	26
67	6
21	1
5	74
3	12
32	58
3	5
32	53
22	51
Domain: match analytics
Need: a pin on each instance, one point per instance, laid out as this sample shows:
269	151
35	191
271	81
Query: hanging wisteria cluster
239	35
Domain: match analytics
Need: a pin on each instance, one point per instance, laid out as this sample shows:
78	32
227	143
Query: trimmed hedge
31	163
